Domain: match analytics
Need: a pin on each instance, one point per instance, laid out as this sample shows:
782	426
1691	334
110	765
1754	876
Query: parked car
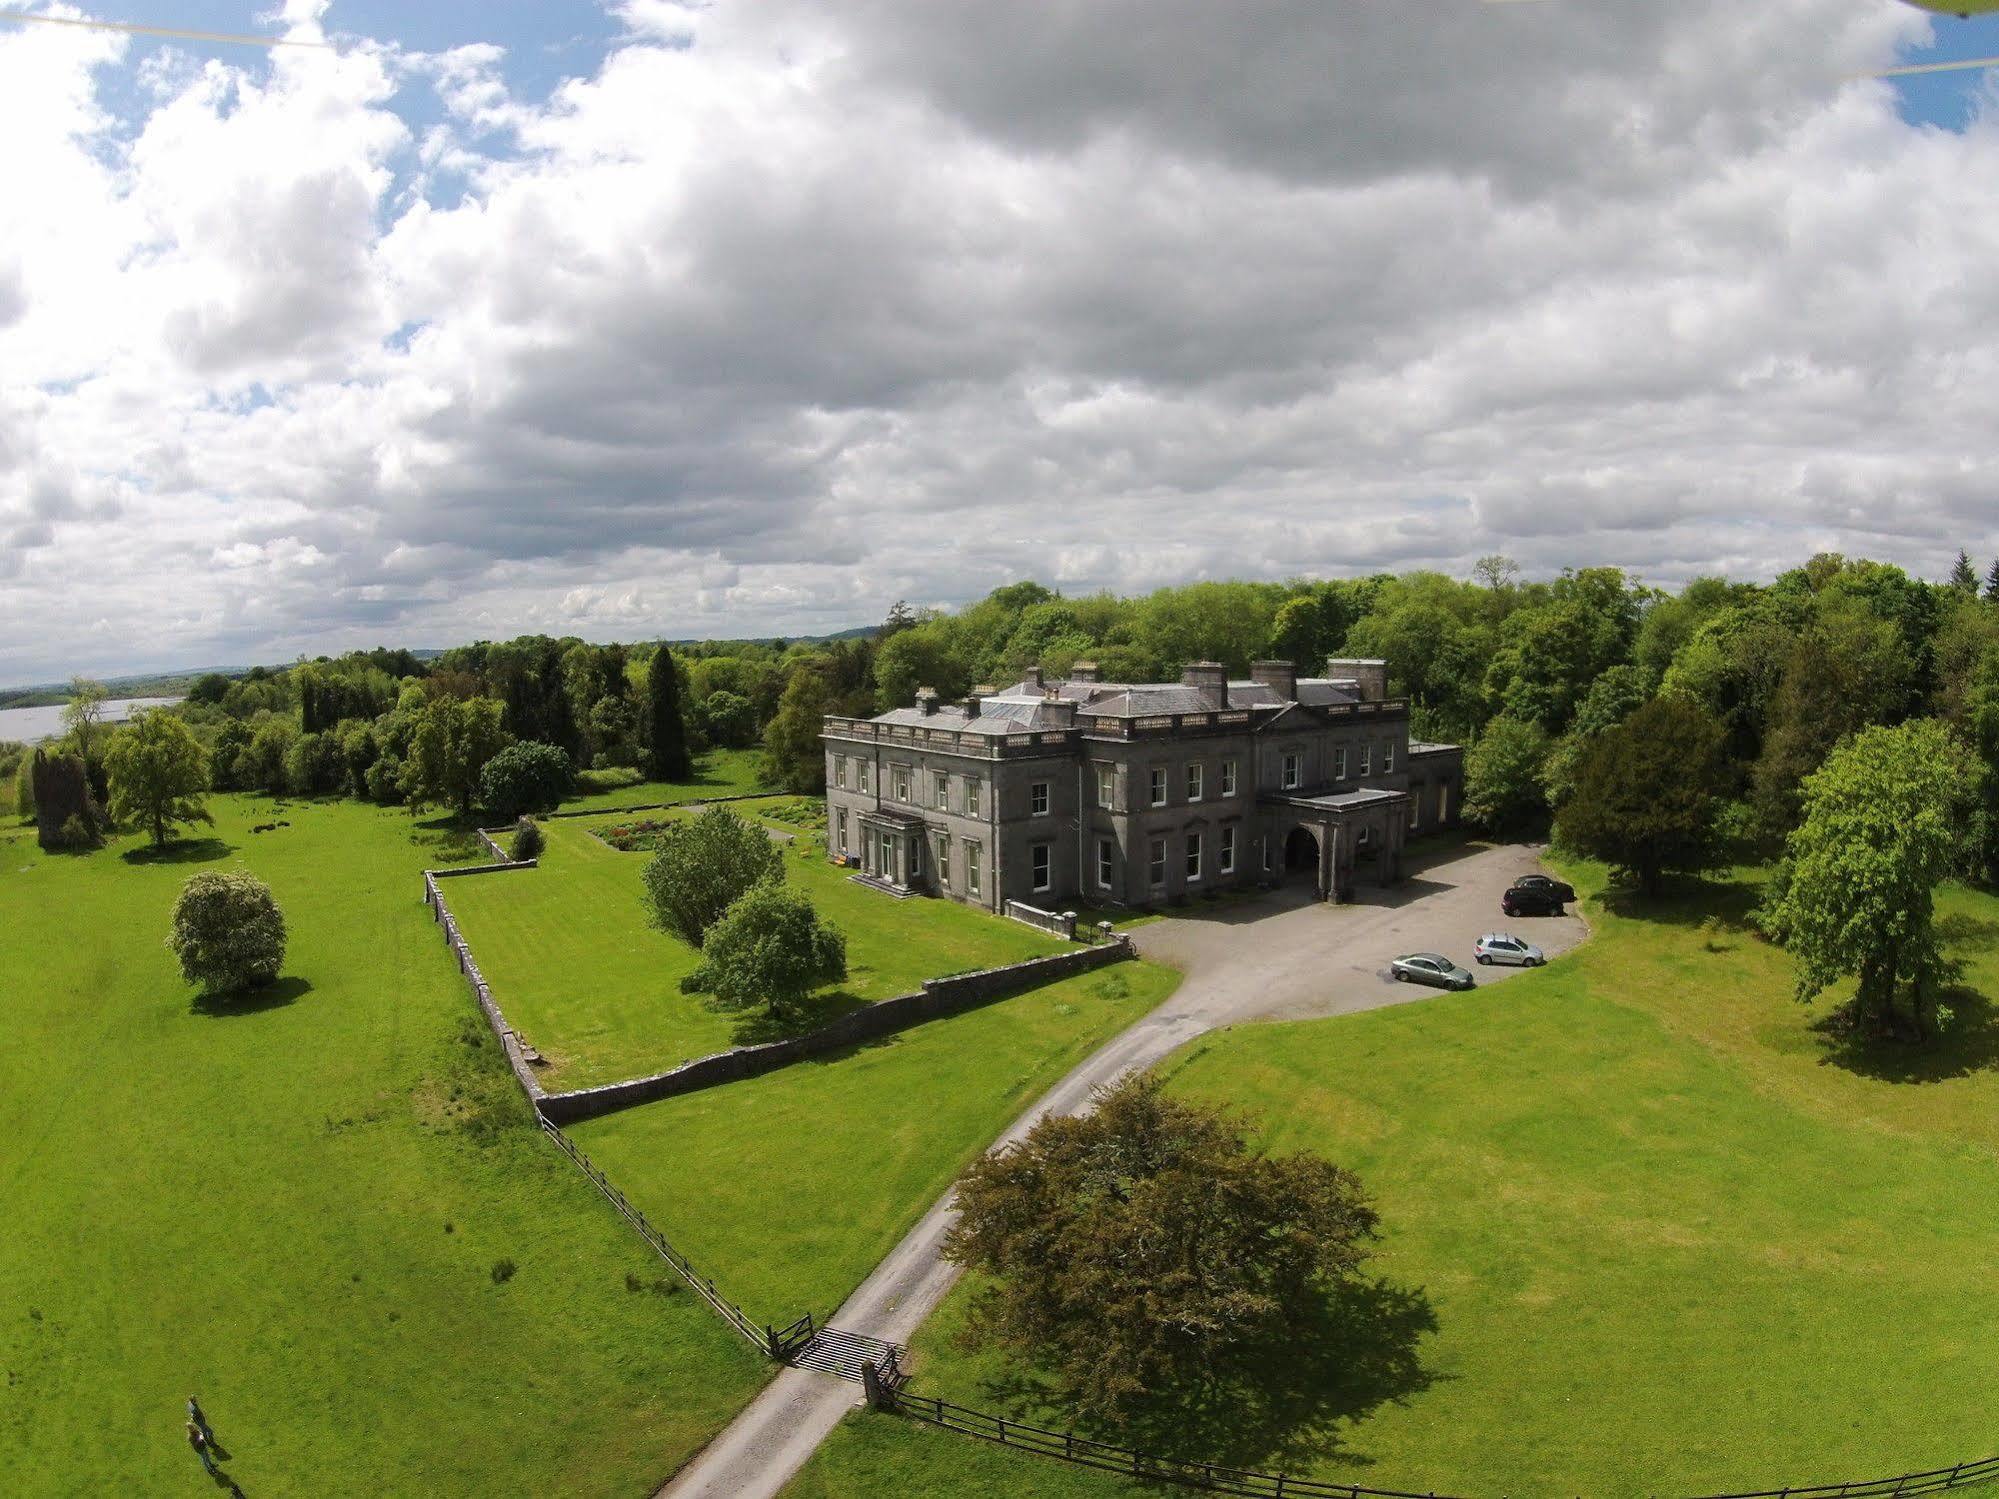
1431	968
1504	947
1535	895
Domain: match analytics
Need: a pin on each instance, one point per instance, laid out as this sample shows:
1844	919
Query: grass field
789	1187
580	973
297	1209
1648	1231
722	772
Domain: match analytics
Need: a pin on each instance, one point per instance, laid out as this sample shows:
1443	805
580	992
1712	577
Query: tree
794	757
83	716
227	932
527	842
770	948
1884	824
1147	1247
666	732
454	739
1646	793
727	719
702	866
1962	578
1992	582
1503	790
158	774
24	788
525	777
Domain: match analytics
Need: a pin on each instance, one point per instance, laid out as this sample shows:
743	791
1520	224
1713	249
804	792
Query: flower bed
631	837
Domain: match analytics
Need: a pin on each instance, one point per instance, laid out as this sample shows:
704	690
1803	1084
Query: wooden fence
1217	1479
778	1342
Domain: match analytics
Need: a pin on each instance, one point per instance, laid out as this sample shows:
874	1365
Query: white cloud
790	311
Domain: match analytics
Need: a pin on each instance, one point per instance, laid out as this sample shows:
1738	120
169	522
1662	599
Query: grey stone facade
1055	793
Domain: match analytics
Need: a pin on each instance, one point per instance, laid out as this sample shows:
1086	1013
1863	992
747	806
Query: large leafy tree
83	717
702	866
1646	793
1503	775
159	773
227	932
770	948
1884	823
794	757
1148	1247
525	777
666	730
454	739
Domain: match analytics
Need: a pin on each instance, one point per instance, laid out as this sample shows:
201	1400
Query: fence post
770	1343
871	1386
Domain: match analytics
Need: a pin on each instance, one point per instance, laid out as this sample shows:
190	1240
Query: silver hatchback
1504	947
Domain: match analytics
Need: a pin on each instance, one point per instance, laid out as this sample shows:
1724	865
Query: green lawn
722	772
875	1454
788	1188
578	971
1647	1231
296	1209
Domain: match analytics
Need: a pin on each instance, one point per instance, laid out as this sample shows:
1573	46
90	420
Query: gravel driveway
1280	956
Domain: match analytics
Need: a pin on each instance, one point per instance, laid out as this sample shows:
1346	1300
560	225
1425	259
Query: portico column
1329	861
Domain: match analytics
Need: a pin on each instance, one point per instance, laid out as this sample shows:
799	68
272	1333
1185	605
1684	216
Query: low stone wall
1056	923
482	992
937	998
704	801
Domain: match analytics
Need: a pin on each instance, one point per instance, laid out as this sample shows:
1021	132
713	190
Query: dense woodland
1528	675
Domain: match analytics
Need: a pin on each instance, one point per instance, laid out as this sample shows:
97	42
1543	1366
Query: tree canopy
701	866
525	777
770	948
1147	1246
1646	793
227	932
158	775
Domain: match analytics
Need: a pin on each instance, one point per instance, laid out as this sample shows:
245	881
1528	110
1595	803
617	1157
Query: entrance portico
1342	833
892	848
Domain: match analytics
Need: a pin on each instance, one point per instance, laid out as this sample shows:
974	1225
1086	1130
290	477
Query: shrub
528	840
503	1271
227	932
525	777
702	866
609	778
67	816
24	788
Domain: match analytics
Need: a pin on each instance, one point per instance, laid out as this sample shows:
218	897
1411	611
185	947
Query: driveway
1281	956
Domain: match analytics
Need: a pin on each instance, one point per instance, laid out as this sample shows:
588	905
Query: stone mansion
1137	794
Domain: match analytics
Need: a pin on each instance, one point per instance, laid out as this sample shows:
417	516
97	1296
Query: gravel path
1282	956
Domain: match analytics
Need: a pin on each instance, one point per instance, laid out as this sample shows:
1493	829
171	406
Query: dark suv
1536	895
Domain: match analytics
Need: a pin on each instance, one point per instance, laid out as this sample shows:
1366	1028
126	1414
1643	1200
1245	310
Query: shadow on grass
758	1026
181	851
1277	1407
1688	902
274	996
1969	1044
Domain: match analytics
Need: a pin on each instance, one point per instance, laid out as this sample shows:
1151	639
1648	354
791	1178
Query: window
862	767
971	869
1340	763
1228	851
1291	771
1106	862
1106	785
1158	861
944	860
902	783
1193	857
1037	797
974	791
1388	758
1228	778
1038	854
1194	781
941	784
840	824
915	859
1366	758
840	770
1158	785
885	856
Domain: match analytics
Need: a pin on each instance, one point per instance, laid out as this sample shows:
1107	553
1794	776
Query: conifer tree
1992	583
666	731
1962	578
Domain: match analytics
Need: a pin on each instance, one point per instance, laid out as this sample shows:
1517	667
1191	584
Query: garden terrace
580	973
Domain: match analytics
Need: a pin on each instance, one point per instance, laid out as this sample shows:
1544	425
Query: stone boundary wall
937	998
1055	923
699	801
482	992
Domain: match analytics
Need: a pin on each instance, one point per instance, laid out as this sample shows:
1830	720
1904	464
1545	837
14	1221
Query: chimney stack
1208	676
1371	675
1281	677
1085	671
926	700
1033	678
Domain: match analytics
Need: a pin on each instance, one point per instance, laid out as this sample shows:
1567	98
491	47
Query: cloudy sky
646	318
